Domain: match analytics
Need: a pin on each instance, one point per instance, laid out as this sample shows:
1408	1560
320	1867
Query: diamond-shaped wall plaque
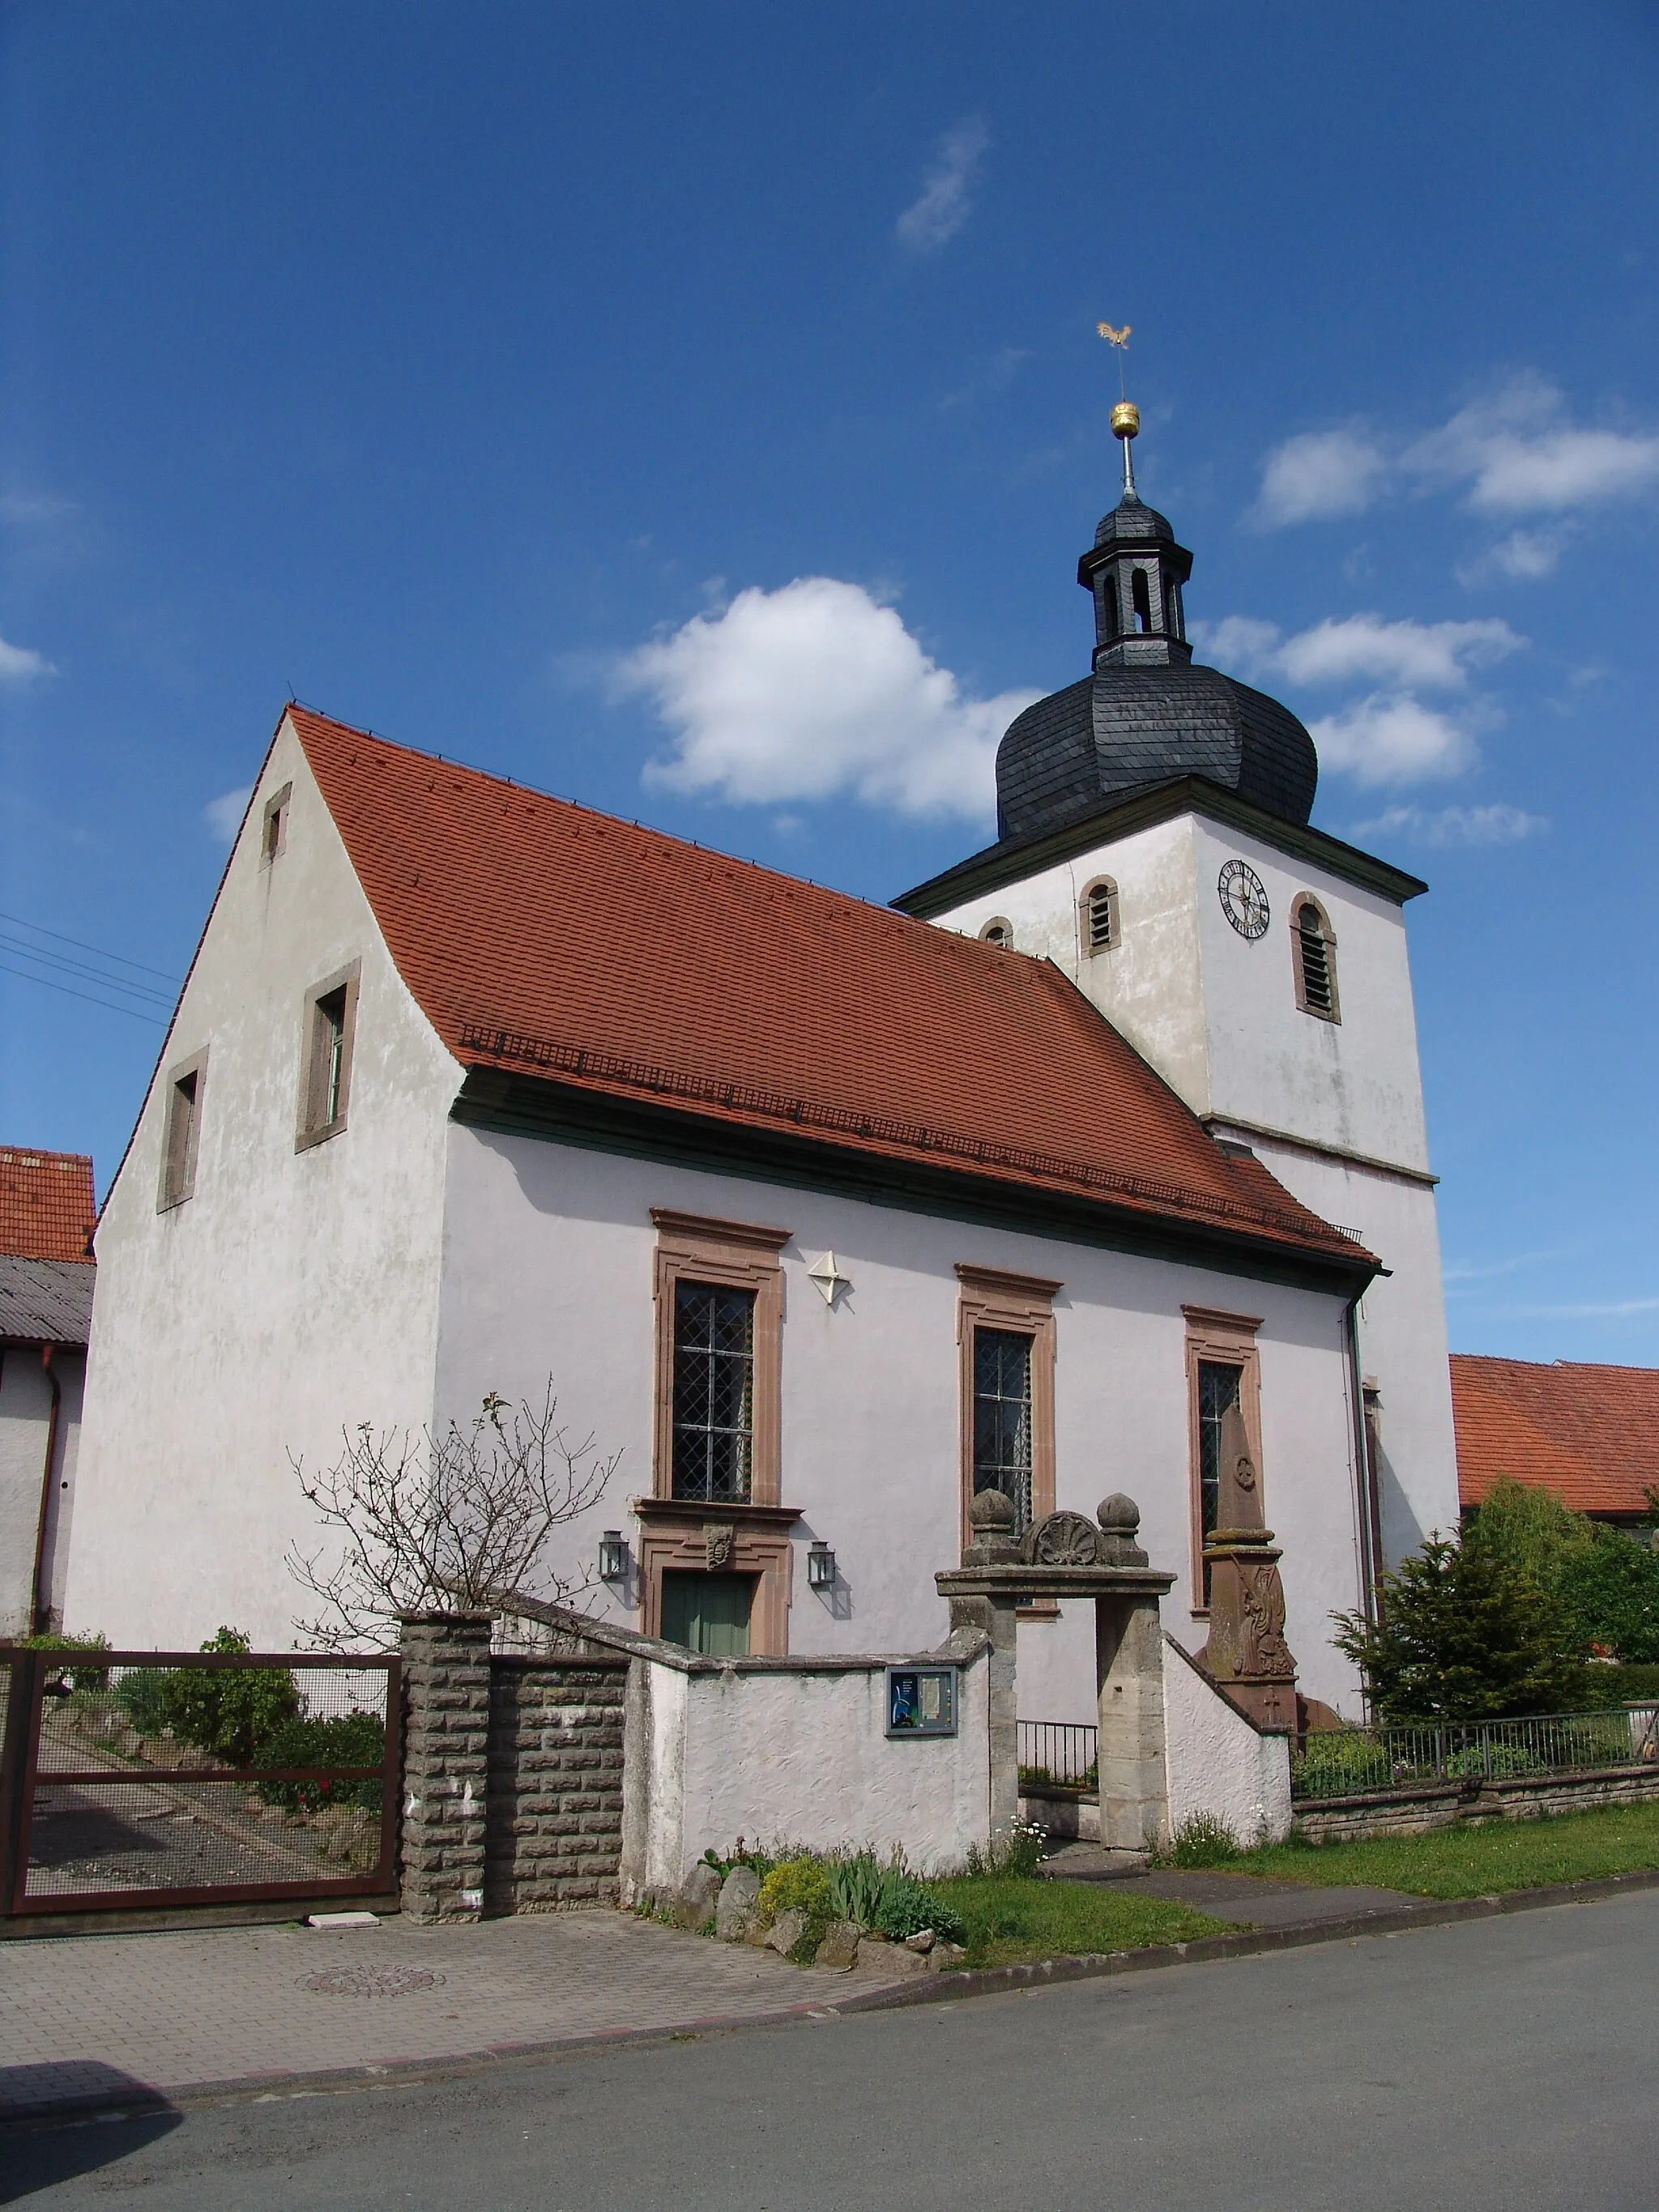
825	1272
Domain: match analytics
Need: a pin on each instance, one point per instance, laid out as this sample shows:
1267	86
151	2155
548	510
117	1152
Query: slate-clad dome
1146	714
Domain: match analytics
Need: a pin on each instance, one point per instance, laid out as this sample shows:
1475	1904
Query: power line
40	930
82	969
109	1005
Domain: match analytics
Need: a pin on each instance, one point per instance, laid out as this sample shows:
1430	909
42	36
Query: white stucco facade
1333	1108
28	1485
548	1270
294	1293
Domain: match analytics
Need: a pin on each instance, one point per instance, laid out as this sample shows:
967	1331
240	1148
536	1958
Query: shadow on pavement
40	2147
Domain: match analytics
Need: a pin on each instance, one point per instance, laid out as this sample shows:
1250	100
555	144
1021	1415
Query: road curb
141	2103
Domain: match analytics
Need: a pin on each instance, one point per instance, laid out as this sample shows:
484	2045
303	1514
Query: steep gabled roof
46	1205
1588	1433
541	937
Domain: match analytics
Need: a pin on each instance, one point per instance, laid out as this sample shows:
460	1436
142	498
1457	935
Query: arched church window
1140	589
1098	914
1314	951
997	931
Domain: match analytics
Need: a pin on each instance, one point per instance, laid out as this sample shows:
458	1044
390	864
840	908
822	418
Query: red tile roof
1590	1434
539	936
46	1206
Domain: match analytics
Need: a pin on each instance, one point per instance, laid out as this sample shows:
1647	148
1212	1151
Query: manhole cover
371	1981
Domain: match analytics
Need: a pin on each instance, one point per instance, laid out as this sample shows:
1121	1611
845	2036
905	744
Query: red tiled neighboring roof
539	935
1588	1433
46	1206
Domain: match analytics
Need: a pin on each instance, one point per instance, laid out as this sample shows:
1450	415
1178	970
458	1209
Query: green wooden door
707	1613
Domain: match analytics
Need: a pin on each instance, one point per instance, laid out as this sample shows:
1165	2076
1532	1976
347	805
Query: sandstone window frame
1102	889
273	826
1227	1340
997	931
1023	1305
181	1131
1305	902
748	1538
326	1051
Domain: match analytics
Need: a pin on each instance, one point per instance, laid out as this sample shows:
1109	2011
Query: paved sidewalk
81	2016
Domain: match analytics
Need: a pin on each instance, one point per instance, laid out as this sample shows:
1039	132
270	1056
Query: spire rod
1126	415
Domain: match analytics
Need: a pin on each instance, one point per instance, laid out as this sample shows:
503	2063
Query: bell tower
1135	572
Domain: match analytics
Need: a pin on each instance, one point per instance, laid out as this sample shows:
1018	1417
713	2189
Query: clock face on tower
1243	899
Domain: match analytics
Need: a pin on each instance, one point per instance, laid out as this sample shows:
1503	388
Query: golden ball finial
1126	419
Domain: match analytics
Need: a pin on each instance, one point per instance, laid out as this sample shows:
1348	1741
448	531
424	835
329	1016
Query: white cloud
1318	474
945	200
1496	824
1435	655
1519	455
813	690
223	815
1390	738
20	664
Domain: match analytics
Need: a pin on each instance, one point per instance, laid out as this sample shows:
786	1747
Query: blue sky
698	412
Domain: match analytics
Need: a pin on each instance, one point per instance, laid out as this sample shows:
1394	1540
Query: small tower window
1098	913
1314	949
181	1133
1140	588
273	835
330	1018
997	931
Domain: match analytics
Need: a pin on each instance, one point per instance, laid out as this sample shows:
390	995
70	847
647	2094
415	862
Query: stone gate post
445	1758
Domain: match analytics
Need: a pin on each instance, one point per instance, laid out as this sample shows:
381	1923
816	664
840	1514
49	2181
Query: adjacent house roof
46	1205
540	936
46	1217
1588	1433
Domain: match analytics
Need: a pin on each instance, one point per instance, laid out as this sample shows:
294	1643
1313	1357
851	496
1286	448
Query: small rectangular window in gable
273	834
181	1132
325	1083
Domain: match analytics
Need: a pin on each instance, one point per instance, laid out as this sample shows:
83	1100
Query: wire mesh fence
1358	1762
1058	1754
167	1778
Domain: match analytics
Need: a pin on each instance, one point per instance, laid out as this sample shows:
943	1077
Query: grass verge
1465	1861
1012	1919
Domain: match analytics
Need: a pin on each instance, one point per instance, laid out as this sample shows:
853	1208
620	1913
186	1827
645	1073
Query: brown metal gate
168	1779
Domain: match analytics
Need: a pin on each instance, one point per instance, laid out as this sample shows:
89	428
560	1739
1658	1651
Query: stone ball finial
1119	1515
991	1510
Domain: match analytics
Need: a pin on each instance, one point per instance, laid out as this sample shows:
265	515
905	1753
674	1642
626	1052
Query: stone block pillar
446	1659
1135	1788
990	1543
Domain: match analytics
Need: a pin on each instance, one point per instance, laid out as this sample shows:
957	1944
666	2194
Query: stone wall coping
1220	1689
1475	1786
607	1663
961	1650
438	1619
1018	1580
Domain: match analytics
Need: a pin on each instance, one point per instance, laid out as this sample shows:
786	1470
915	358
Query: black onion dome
1146	715
1126	729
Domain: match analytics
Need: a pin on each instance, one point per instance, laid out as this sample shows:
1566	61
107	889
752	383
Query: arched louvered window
997	931
1141	591
1097	916
1314	943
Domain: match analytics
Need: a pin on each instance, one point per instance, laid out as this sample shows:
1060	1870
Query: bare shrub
444	1523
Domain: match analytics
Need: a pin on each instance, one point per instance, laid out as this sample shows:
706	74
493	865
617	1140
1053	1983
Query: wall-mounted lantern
613	1556
820	1568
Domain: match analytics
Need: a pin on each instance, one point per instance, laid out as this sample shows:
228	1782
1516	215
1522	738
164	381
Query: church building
825	1216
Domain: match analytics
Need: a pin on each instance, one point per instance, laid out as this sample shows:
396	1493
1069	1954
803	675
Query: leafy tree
1612	1590
1606	1583
227	1710
1465	1634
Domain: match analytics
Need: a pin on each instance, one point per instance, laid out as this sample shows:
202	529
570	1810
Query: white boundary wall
796	1753
1218	1762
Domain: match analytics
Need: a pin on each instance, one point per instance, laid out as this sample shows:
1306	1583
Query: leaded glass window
1002	1417
1218	1389
713	1392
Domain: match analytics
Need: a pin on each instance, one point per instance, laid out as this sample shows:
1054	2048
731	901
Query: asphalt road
1506	2062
